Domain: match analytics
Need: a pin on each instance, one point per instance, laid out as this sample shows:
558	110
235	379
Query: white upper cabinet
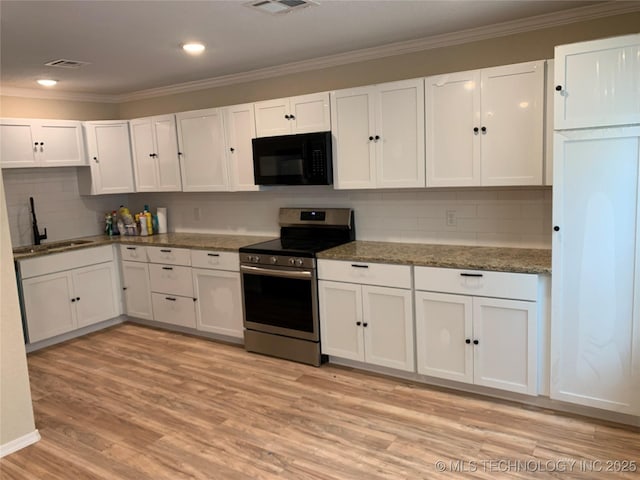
155	154
379	136
301	114
41	143
597	83
202	147
215	148
109	152
485	127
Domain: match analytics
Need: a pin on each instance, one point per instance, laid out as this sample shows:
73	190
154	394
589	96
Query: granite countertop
500	259
197	241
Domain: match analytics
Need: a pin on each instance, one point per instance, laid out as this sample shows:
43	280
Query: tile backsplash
519	217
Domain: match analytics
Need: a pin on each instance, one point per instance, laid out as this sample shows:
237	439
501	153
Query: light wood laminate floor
137	403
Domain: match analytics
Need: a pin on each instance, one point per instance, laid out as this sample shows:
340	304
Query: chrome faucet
36	231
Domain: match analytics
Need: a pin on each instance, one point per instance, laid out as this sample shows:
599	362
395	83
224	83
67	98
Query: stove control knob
255	259
292	261
299	262
273	260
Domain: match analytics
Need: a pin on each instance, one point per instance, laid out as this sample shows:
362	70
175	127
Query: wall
16	413
506	217
22	107
59	206
521	47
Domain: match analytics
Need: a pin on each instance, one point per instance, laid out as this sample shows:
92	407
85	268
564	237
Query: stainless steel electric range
280	285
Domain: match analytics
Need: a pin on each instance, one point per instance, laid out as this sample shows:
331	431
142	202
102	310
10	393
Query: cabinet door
174	310
400	125
443	328
240	128
109	152
512	124
595	326
202	145
596	83
166	141
310	113
144	163
352	126
137	292
18	147
388	327
218	302
505	355
453	129
61	143
49	305
96	292
272	117
341	319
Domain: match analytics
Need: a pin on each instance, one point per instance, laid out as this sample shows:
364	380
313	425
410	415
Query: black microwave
301	159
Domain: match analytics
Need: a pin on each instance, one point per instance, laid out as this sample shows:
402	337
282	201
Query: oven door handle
272	272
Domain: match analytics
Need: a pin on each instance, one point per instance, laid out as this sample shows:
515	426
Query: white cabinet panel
133	253
169	255
453	147
365	273
49	305
388	327
137	291
146	175
272	117
96	290
41	143
595	336
379	136
109	152
443	327
596	83
167	153
505	353
171	279
218	302
512	119
202	146
239	122
341	319
301	114
174	310
215	260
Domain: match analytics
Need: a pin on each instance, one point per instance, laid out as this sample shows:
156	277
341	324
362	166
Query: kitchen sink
50	247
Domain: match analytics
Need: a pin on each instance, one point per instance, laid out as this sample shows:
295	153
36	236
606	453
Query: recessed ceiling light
193	48
47	82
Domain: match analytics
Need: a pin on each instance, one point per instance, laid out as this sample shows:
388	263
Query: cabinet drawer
175	310
58	262
216	260
171	279
520	286
133	253
398	276
173	256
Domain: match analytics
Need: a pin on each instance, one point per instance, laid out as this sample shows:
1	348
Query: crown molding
57	95
549	20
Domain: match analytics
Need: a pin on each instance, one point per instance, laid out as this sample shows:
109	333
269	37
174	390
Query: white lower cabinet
366	323
137	291
481	340
173	309
66	291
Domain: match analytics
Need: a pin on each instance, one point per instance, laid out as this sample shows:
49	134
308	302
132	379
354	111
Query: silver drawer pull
167	268
213	254
165	251
471	275
171	299
359	266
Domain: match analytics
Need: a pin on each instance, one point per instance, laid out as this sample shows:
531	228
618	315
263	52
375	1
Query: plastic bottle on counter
143	226
149	222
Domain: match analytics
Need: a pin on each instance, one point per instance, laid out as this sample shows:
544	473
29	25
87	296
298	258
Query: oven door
281	301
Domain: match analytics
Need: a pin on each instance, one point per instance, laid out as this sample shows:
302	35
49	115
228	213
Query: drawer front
385	275
133	253
58	262
175	310
173	256
521	286
215	260
171	279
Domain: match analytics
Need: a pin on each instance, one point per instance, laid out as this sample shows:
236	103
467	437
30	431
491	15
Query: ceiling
134	46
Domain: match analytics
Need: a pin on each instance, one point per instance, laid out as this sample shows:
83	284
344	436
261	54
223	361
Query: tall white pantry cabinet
595	330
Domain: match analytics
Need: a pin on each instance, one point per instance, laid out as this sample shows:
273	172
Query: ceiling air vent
280	6
62	63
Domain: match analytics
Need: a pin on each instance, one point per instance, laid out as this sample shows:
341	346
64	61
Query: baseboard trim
19	443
